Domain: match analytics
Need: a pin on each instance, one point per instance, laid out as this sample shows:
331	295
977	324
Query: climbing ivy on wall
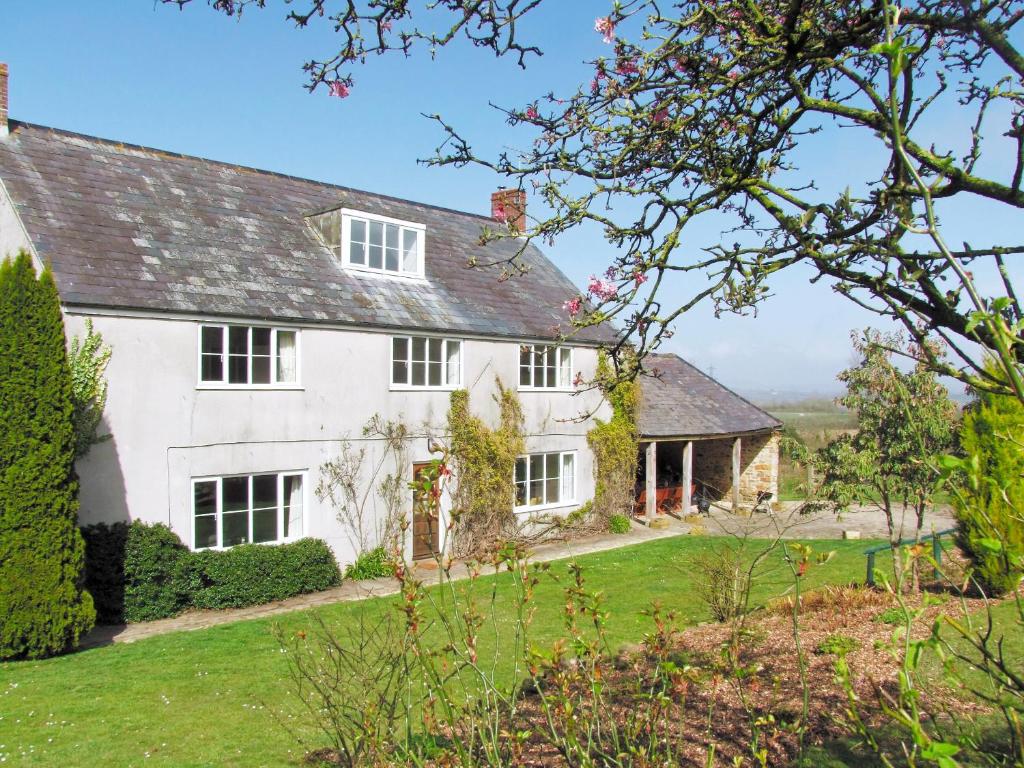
483	461
615	444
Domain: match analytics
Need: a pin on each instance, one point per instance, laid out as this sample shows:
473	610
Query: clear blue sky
199	83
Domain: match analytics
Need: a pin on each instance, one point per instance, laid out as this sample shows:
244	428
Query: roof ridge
253	169
732	392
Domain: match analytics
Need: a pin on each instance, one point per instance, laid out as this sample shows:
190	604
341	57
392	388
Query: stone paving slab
787	520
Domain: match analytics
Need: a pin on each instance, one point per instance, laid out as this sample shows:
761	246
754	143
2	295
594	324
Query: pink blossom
606	27
604	290
573	306
499	212
578	379
661	115
733	74
531	113
627	67
386	26
338	88
639	277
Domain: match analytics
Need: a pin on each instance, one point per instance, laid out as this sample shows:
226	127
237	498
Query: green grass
197	698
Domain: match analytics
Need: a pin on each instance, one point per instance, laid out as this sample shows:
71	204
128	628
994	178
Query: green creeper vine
483	460
615	444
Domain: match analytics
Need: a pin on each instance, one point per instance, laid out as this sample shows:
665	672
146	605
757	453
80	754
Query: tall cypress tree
43	608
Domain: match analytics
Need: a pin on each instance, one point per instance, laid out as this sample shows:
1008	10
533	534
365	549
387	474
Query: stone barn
701	443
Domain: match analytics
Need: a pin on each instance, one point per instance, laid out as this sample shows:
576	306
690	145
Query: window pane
205	508
410	251
357	253
236	529
264	525
292	506
213	368
399	372
419	349
434	349
521	494
551	465
564	367
391	236
520	471
434	371
400	348
568	476
419	374
261	341
391	259
286	357
206	532
550	370
261	370
238	340
537	479
205	498
552	486
235	493
453	351
238	355
264	491
212	341
524	366
376	233
376	258
357	231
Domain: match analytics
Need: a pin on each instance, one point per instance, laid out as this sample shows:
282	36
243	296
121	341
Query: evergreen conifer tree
43	608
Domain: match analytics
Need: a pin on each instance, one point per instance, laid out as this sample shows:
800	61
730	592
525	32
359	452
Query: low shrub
104	569
153	559
894	615
374	564
838	645
250	574
619	524
142	572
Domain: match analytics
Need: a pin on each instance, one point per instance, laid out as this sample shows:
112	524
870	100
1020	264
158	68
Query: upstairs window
545	367
417	361
242	355
372	243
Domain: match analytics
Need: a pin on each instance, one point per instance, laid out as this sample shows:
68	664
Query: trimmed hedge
251	574
141	572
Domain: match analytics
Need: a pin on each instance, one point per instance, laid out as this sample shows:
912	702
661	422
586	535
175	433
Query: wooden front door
425	525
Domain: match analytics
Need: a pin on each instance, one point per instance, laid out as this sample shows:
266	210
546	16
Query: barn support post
687	475
736	451
651	480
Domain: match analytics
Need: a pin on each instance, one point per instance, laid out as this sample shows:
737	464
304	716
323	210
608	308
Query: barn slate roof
126	227
678	400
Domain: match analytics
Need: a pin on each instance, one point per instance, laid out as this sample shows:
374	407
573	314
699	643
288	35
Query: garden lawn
205	698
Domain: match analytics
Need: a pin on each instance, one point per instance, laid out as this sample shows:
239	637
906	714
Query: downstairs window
545	480
243	509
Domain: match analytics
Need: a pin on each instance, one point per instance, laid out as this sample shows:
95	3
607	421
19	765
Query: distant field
815	422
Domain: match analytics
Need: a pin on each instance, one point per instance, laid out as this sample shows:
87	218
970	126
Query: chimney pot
509	207
3	99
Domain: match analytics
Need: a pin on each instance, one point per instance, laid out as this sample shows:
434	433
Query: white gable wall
166	430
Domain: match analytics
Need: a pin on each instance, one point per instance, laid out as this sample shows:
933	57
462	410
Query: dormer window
372	243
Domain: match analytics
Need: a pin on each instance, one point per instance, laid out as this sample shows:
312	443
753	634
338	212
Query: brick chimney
509	207
3	99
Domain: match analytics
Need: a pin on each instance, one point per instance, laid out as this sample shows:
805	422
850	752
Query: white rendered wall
167	430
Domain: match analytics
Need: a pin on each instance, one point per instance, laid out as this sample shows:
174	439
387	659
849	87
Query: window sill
414	388
277	543
563	390
543	507
375	273
251	387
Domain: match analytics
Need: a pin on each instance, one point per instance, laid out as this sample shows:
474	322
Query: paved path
821	525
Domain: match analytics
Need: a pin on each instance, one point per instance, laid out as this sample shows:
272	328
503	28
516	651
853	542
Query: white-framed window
263	508
545	480
426	362
544	366
248	356
373	243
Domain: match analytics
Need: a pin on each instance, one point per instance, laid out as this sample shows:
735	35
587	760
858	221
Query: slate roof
677	400
129	227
